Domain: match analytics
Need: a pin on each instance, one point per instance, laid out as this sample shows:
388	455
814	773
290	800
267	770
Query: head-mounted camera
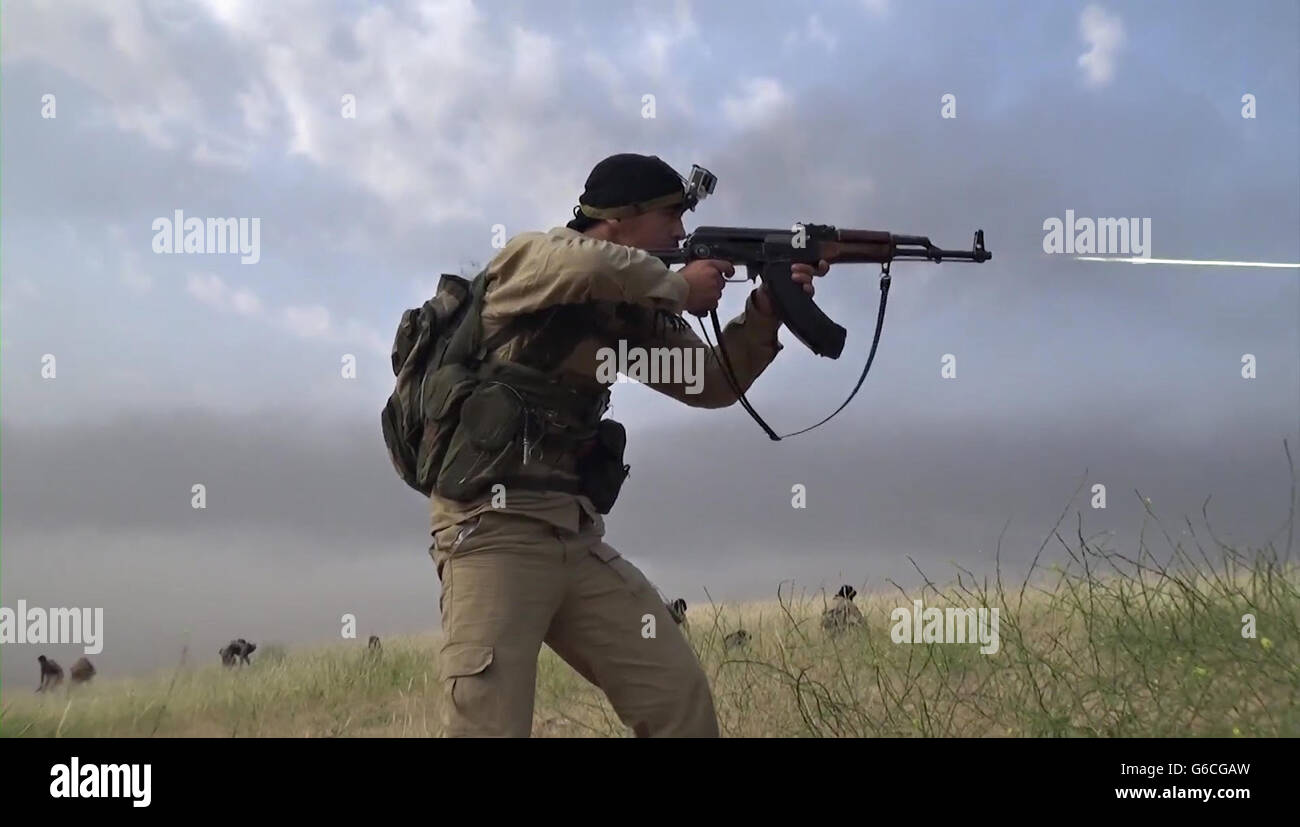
699	185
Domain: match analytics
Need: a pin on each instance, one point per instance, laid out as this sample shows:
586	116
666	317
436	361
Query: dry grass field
1104	645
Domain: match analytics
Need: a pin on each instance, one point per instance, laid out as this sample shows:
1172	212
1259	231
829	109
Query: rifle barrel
848	245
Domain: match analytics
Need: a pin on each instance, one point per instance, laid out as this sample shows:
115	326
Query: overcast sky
177	369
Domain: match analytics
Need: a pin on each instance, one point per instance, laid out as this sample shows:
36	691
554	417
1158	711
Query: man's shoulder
532	242
555	235
562	237
528	250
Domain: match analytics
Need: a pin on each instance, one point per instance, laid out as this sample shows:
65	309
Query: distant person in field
236	651
82	671
51	674
843	613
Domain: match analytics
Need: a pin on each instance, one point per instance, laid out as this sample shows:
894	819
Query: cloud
163	590
315	322
760	100
818	34
256	107
115	50
1104	34
207	155
308	322
312	322
604	70
398	55
446	99
133	274
813	36
136	280
239	15
245	302
308	503
209	289
661	41
368	337
131	270
329	477
215	293
878	8
22	288
534	61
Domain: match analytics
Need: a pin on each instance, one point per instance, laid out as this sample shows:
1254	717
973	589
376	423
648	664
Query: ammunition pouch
486	447
523	429
600	465
442	398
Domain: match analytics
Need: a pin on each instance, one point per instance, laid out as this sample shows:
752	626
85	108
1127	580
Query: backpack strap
466	343
550	334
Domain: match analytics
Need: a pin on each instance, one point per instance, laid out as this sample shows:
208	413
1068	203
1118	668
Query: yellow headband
632	209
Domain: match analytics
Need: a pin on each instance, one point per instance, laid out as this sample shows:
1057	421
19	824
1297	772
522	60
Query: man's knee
673	698
685	711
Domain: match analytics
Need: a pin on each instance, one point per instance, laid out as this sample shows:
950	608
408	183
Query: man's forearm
751	343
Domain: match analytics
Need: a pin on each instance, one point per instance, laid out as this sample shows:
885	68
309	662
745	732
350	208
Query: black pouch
601	467
487	447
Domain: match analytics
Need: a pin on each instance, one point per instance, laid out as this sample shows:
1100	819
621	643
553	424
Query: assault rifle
768	254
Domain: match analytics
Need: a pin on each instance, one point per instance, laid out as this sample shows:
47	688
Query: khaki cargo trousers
511	583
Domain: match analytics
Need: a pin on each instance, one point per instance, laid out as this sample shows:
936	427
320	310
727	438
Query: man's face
659	229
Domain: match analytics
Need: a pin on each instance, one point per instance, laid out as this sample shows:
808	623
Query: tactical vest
518	423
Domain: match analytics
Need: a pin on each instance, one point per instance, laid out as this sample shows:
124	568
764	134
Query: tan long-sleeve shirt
638	302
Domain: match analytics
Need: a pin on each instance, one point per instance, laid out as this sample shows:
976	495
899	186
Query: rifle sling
729	373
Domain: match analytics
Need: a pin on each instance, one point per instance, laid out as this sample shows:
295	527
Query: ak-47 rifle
768	254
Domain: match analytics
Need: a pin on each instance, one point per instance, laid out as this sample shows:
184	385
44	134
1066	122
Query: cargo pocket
463	666
448	541
450	538
631	576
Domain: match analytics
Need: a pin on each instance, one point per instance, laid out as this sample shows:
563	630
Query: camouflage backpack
423	410
444	368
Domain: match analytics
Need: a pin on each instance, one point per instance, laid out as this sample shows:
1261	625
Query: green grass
1096	644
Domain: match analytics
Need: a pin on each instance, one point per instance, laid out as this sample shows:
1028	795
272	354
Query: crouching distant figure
738	639
236	651
677	610
843	613
51	674
82	671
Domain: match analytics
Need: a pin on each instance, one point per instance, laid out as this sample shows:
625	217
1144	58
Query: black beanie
626	180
